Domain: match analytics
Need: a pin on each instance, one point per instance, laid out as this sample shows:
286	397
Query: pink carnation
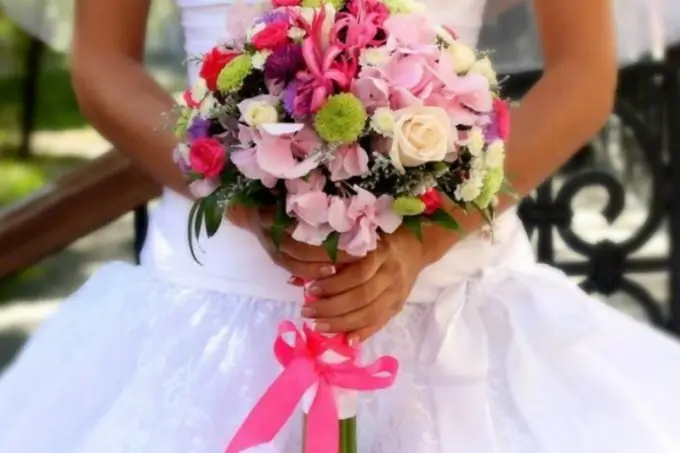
207	157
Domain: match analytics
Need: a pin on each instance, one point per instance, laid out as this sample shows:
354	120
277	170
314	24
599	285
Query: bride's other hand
301	260
362	297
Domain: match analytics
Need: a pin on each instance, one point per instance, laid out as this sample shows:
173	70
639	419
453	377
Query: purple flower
198	128
274	16
284	63
289	94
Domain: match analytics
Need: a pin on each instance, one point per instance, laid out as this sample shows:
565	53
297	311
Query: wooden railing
77	204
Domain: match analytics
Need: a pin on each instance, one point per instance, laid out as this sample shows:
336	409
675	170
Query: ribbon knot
303	368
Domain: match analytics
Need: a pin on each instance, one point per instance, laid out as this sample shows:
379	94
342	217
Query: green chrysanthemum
492	185
408	206
232	76
337	4
183	121
341	120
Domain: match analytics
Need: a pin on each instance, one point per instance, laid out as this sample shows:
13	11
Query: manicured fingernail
296	281
308	312
353	341
314	291
322	327
327	271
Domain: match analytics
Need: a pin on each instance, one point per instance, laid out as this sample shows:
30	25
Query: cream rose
421	134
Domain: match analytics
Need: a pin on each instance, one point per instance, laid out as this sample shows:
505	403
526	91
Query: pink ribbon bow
303	368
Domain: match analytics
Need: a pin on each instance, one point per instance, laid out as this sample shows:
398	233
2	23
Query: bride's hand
362	297
301	260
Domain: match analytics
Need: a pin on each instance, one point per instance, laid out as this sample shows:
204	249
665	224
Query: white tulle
498	354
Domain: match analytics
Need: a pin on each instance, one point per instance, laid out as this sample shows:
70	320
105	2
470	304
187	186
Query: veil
644	29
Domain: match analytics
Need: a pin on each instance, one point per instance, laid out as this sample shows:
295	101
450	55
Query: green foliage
18	180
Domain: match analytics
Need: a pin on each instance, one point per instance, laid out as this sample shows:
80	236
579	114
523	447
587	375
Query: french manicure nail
308	312
314	291
295	281
322	327
353	341
327	271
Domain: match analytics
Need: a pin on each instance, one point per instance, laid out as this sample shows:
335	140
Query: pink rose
207	157
272	36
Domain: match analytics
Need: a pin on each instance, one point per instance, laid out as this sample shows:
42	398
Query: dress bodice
234	261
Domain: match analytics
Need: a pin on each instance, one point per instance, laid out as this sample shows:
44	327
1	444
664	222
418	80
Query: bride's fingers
304	269
362	334
351	310
348	277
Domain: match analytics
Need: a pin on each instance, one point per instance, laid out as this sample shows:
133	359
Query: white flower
374	56
463	57
475	141
421	134
483	67
259	110
382	121
296	34
260	58
495	154
468	190
208	105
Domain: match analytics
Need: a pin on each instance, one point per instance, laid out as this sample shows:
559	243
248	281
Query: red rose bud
191	103
271	37
213	64
207	157
432	200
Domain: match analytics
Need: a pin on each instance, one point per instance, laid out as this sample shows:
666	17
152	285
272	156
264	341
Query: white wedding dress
498	353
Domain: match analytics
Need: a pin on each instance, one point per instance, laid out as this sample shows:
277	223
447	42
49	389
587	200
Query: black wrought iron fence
645	132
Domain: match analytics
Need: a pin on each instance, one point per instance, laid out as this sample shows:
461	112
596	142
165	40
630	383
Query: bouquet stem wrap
306	375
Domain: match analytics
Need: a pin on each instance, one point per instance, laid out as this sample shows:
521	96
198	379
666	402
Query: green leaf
193	213
213	214
443	219
331	245
413	223
198	223
507	189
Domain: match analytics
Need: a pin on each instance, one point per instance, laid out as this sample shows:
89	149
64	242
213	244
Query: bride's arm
115	92
565	108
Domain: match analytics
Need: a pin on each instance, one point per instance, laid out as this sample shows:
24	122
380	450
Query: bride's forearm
126	106
561	113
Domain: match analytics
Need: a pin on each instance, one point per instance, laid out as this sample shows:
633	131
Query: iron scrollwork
646	106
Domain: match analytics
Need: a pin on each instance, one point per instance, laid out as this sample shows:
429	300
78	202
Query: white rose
421	134
257	113
382	121
463	57
495	154
483	67
475	141
260	58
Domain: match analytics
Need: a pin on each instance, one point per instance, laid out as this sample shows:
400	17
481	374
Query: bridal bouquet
351	118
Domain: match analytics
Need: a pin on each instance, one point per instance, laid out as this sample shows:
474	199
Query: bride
498	353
